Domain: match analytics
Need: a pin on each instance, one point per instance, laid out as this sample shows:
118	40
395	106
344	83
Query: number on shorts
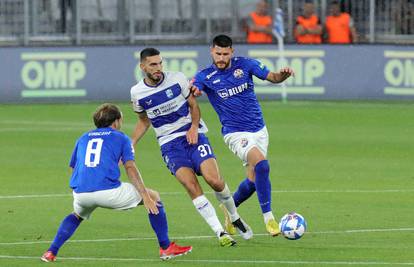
204	150
94	153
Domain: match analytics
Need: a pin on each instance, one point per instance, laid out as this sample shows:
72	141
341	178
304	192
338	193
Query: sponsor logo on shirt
216	81
225	93
148	102
238	73
211	74
156	112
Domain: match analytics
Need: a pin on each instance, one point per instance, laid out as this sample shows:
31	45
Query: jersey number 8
93	155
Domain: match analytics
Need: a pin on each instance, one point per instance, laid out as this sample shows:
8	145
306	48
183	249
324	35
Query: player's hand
192	135
285	73
195	91
150	205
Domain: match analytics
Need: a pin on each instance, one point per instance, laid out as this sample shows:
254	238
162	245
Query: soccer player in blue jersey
163	100
228	83
95	183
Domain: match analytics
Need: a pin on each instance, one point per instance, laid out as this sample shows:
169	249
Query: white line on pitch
273	191
215	261
205	236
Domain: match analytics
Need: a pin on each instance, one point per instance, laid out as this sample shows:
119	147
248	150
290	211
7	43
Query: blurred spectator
339	26
308	27
404	16
65	14
259	24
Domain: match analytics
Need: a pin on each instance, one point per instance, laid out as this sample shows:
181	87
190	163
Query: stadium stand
139	21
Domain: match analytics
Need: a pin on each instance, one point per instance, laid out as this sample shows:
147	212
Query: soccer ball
292	226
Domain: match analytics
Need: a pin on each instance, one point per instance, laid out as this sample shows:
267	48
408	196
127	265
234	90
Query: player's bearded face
152	67
221	56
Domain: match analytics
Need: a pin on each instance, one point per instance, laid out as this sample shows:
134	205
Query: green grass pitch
348	168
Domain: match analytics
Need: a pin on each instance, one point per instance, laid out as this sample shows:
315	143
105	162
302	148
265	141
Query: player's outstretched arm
136	179
278	77
141	127
192	133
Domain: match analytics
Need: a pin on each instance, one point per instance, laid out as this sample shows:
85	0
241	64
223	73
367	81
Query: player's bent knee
216	183
254	156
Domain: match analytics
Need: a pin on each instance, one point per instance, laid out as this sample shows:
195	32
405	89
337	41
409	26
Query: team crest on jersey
148	102
169	93
244	142
238	73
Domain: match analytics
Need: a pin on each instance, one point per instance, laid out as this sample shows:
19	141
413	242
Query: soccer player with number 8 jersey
163	100
95	183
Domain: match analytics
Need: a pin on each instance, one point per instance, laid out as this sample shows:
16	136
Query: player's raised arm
278	77
141	127
136	179
192	133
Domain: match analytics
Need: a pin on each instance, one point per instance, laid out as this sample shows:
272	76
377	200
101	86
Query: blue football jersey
95	160
231	93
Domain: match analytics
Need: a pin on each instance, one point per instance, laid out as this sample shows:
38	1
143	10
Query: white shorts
241	142
121	198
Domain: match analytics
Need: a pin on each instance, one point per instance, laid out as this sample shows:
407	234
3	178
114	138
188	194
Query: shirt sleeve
184	84
135	104
198	81
257	68
128	152
72	162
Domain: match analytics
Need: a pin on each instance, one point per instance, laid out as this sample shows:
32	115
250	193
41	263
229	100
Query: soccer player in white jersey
228	83
163	100
95	183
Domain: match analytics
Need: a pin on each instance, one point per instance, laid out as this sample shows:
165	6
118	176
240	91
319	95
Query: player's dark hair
222	41
106	114
148	52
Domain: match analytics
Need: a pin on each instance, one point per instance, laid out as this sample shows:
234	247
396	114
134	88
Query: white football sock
226	198
268	216
208	212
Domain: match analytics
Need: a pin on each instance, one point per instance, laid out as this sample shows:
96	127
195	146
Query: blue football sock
65	231
245	190
160	226
263	186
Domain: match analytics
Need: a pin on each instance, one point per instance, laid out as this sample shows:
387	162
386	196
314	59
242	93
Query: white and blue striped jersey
231	93
166	106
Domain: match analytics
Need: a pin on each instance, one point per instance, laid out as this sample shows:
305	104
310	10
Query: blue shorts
178	153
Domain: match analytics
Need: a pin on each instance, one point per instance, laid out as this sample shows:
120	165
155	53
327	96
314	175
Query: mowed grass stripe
354	231
273	191
217	261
